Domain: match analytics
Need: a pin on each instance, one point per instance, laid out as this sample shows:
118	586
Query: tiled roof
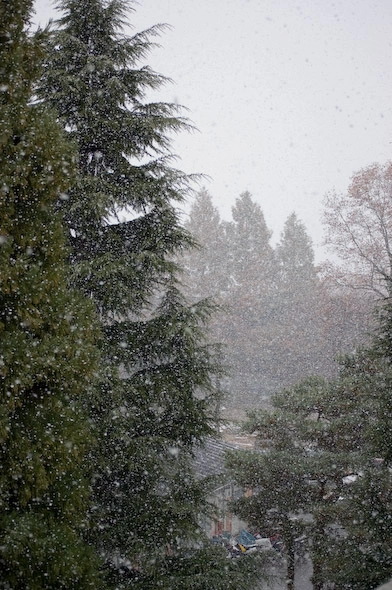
209	458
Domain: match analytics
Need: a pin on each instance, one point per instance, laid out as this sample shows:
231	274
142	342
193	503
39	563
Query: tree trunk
289	539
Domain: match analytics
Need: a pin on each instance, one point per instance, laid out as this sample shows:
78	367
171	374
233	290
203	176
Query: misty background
289	98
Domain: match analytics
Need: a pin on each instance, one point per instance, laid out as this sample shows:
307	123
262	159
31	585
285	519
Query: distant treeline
282	317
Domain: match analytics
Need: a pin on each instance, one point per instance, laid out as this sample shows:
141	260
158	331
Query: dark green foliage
47	332
361	558
124	156
43	552
325	454
154	423
203	569
312	439
382	349
279	494
158	392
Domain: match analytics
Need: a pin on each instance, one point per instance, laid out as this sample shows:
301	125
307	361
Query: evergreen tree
295	256
280	319
251	252
124	154
275	508
206	266
366	512
281	475
157	398
298	341
249	302
314	442
332	425
47	353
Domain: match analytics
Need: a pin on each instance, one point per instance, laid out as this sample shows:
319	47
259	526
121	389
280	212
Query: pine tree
157	398
298	341
206	266
295	256
366	514
280	477
47	353
250	302
251	252
314	441
331	422
318	459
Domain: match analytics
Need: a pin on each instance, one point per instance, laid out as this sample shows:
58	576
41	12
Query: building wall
224	521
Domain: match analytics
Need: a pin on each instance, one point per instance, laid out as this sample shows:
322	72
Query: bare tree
359	230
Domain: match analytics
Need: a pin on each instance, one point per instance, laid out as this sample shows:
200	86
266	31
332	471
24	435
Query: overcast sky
290	98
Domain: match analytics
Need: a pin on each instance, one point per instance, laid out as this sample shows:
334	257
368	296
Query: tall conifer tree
295	256
251	289
251	252
156	399
298	341
47	352
314	437
206	265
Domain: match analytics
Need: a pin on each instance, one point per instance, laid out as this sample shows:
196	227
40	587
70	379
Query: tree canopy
156	397
358	228
48	334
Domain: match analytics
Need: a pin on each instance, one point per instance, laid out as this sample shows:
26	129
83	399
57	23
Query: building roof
209	458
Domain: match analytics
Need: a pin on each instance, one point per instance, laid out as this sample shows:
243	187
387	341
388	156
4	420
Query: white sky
290	97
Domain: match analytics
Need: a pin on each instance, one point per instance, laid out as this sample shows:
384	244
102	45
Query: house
209	463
